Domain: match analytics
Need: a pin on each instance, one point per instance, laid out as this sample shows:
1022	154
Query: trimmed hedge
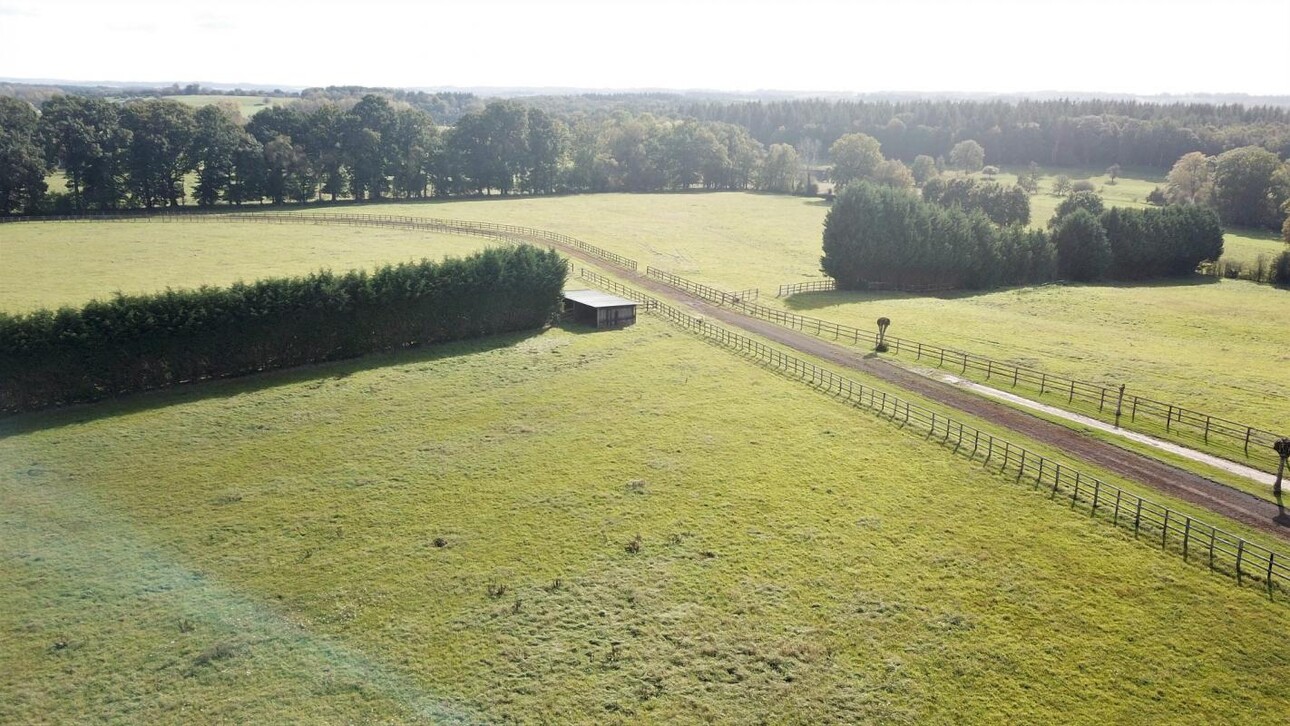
134	343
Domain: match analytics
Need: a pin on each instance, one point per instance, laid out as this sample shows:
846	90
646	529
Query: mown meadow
603	527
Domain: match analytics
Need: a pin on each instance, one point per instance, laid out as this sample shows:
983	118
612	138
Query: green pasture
1206	345
53	264
1202	343
247	105
561	526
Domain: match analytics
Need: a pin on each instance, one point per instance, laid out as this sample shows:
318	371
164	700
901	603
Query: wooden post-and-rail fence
1241	442
1192	538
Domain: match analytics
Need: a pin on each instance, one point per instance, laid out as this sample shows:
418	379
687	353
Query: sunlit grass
446	532
52	264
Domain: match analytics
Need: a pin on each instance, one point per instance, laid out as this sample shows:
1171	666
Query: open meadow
1203	343
247	105
577	527
53	264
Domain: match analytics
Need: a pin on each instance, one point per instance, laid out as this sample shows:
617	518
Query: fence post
989	368
1207	429
1101	401
1240	555
965	362
1248	430
1212	532
1164	536
920	352
1072	396
1271	557
1016	370
1133	414
1097	490
942	358
1137	518
1116	519
1186	537
1169	416
1043	380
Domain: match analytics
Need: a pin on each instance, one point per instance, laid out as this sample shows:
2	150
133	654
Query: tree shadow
827	299
74	414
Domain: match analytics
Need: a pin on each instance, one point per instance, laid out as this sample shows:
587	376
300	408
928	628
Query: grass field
47	265
446	533
248	106
1205	344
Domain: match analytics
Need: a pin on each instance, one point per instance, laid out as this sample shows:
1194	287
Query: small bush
1280	272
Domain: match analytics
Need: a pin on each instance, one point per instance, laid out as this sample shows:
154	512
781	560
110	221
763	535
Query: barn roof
596	299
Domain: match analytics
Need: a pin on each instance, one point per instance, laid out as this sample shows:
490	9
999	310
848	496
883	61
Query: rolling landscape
895	407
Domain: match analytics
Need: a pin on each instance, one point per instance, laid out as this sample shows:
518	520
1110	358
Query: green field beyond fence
1234	440
1218	549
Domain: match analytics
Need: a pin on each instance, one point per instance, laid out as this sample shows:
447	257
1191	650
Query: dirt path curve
1245	508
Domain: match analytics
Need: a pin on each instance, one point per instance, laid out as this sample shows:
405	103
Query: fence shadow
75	414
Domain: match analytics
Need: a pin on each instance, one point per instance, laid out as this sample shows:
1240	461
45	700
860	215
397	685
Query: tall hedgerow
138	342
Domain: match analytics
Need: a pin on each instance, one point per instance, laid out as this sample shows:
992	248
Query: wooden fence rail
831	285
1188	536
703	291
1238	441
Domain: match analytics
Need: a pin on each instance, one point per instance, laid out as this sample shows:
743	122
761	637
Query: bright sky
1126	46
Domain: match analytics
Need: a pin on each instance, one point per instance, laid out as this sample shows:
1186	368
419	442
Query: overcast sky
1124	46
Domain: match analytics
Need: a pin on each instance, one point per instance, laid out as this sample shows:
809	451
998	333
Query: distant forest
360	143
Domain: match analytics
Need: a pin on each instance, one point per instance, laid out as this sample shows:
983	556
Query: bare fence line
1109	403
831	285
1175	531
704	291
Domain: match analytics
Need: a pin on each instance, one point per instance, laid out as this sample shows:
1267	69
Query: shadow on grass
817	300
53	418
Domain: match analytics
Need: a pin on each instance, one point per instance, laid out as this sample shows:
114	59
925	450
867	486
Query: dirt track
1198	490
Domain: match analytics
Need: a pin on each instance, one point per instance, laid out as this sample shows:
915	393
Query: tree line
879	234
143	154
138	342
1052	132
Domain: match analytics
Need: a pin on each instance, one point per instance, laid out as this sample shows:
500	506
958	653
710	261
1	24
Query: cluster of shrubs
1132	244
876	234
880	234
1003	205
133	343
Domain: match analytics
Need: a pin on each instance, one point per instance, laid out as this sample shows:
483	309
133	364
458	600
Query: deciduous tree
1244	191
1190	181
22	163
967	156
855	156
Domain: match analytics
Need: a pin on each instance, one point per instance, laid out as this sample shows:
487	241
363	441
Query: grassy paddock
449	532
1205	344
52	264
247	105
